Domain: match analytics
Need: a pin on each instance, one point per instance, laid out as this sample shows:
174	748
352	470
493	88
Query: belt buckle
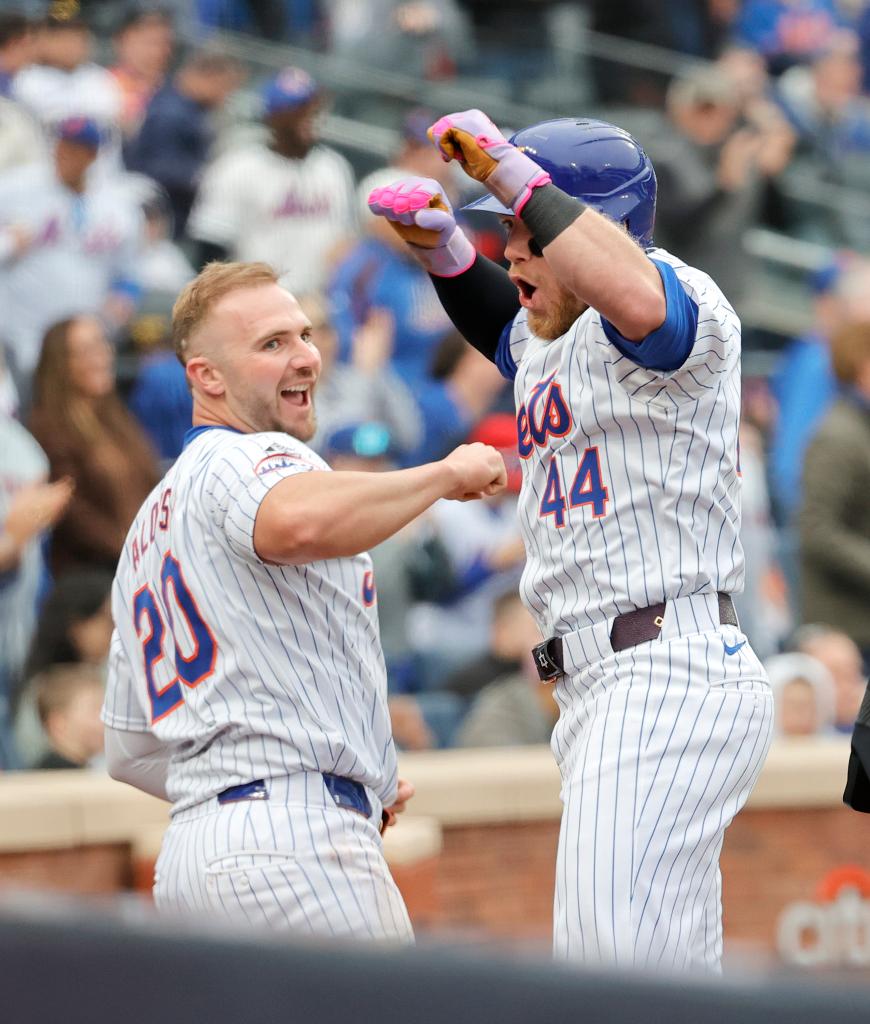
548	659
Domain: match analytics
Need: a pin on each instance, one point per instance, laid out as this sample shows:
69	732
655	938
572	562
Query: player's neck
205	417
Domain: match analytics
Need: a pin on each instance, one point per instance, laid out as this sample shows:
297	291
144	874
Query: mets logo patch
280	460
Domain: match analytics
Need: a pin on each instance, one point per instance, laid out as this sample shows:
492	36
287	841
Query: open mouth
298	395
525	289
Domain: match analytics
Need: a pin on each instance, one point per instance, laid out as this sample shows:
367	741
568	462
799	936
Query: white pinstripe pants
294	863
659	746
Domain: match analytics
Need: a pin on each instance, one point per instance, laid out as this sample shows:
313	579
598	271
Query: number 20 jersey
631	489
245	670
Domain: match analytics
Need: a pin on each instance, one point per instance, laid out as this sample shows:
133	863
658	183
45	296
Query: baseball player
246	680
288	200
626	369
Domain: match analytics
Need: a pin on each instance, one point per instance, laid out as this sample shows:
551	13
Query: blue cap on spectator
415	124
83	130
289	88
365	440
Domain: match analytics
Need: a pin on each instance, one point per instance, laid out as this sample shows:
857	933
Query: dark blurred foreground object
95	961
857	794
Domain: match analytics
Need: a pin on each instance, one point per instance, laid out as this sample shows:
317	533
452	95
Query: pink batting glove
420	213
486	155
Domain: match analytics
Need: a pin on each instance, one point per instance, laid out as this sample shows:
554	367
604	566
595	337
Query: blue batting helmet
595	162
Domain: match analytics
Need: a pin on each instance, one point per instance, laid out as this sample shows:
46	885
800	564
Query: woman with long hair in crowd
88	434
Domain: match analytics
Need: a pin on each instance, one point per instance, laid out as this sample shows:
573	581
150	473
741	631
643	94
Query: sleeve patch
277	461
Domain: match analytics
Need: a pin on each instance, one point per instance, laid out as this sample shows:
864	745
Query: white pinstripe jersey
246	670
289	213
631	489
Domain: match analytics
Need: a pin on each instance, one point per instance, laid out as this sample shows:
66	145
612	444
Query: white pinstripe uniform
250	671
290	213
631	496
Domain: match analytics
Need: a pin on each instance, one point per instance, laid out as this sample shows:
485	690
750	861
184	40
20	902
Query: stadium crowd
126	165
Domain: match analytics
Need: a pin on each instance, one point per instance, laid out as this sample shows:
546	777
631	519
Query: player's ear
205	376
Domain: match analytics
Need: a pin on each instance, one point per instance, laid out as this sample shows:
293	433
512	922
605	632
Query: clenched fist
479	471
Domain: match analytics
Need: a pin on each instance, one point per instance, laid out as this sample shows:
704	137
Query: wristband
548	212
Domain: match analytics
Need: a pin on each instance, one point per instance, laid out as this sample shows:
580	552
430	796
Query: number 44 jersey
631	490
245	670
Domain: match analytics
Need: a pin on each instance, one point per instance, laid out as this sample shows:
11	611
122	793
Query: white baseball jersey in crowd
81	245
630	497
52	95
248	672
290	213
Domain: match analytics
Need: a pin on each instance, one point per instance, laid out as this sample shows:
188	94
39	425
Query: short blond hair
197	299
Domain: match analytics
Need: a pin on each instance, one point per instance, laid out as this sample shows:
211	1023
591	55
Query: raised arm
316	515
476	293
591	256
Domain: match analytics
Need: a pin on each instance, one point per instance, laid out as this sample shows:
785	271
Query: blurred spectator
143	43
506	652
486	556
841	657
162	266
862	28
21	139
825	105
68	245
803	386
421	38
787	31
762	606
75	627
365	388
160	398
69	699
416	155
835	514
64	82
463	386
288	201
75	622
516	709
28	506
803	694
16	48
275	20
696	27
178	130
410	730
712	172
408	566
89	436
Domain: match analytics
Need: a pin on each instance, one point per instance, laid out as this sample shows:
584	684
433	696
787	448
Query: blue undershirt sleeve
667	347
503	358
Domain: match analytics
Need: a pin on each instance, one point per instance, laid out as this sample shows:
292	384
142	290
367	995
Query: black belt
628	630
